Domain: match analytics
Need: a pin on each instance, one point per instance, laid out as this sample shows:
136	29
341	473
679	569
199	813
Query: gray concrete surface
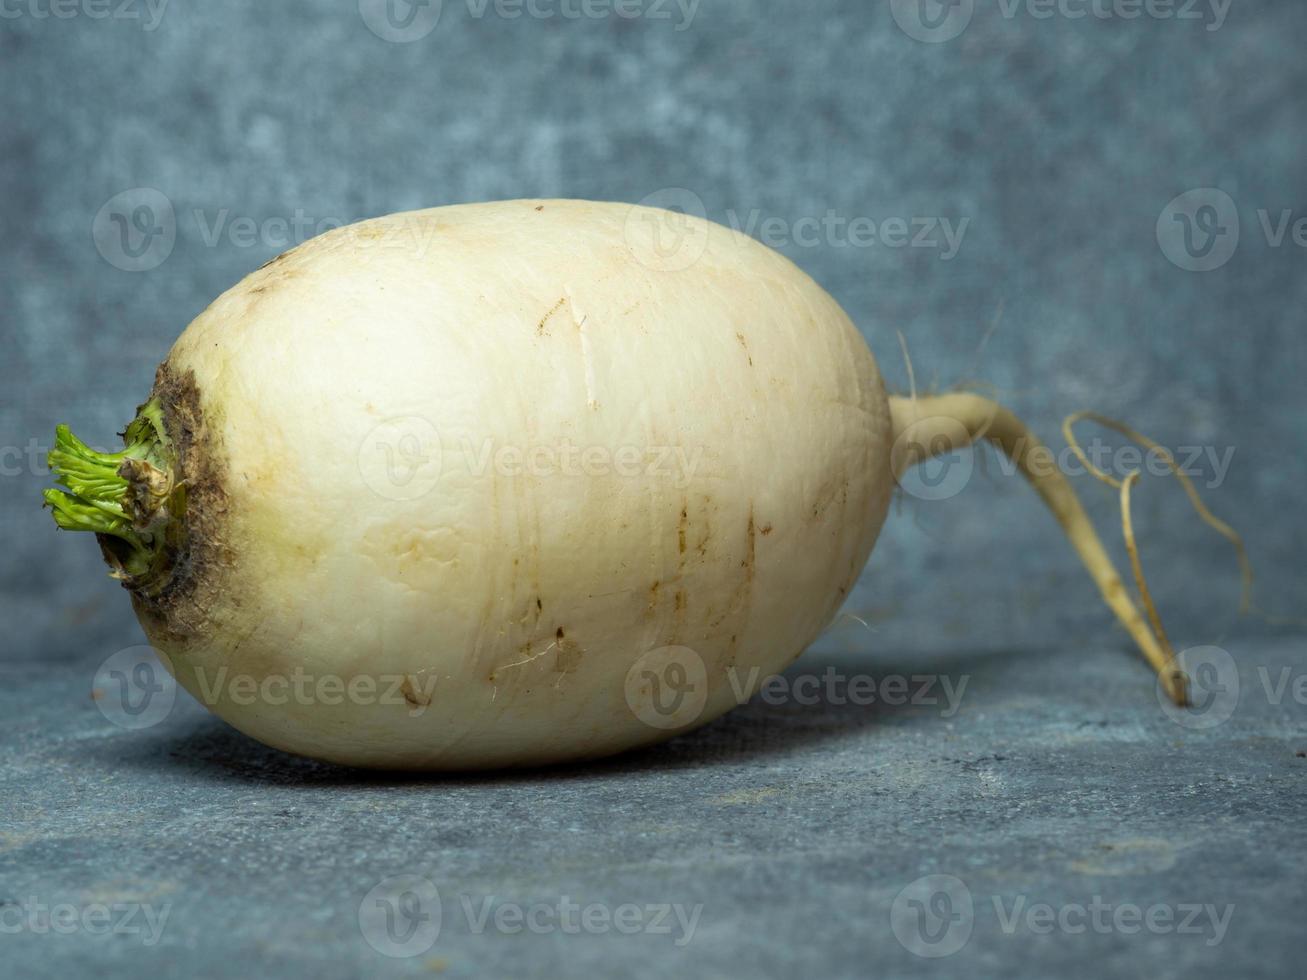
1058	781
1059	141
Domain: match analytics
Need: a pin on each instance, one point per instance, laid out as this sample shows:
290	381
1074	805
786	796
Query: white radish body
486	458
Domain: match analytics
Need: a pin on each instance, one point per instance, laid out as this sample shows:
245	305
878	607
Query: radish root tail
933	425
1208	518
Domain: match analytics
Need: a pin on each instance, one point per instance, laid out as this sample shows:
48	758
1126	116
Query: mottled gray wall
1059	140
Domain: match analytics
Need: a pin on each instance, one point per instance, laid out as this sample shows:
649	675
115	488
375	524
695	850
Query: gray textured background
1061	141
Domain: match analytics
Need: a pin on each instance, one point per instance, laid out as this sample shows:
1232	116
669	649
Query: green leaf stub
128	498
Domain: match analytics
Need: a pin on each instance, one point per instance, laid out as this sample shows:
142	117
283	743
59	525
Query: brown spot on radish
199	562
413	696
745	344
653	599
682	528
750	556
408	553
765	530
741	598
275	259
702	546
544	320
827	494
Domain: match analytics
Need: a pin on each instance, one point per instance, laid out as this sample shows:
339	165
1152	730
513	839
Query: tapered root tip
1176	683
